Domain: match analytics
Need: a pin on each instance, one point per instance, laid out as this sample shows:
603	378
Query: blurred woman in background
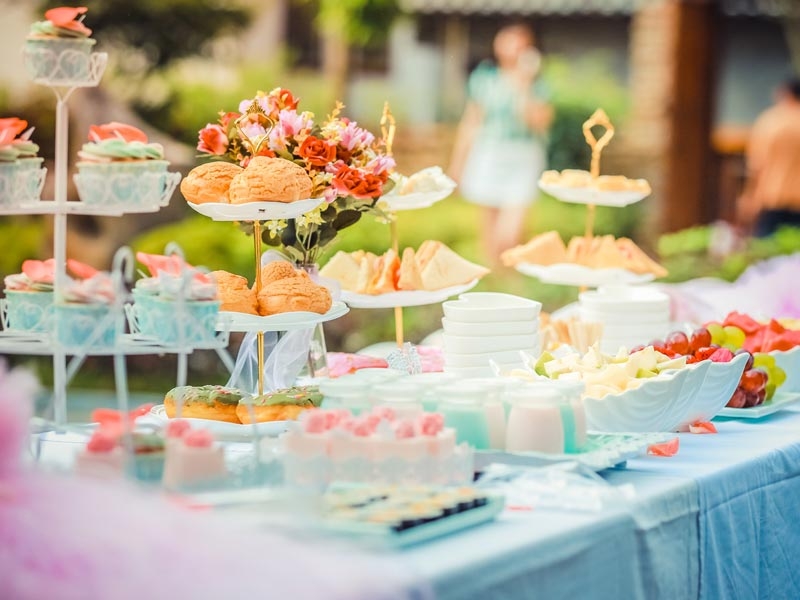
499	151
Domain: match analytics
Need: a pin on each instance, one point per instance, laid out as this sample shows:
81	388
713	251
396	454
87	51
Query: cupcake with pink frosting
86	315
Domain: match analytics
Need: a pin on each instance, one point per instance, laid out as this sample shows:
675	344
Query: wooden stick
260	334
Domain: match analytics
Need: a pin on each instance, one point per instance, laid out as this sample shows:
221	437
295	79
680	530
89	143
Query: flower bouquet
347	165
177	303
21	175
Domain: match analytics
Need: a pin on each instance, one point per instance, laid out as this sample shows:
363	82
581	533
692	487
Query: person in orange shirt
772	194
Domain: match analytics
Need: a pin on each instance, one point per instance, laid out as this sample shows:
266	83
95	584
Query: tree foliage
161	30
360	22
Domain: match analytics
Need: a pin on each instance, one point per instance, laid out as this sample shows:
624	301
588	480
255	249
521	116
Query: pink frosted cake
102	457
377	446
192	457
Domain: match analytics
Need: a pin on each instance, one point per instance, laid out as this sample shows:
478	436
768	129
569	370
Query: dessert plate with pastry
266	189
288	299
595	261
578	187
420	190
232	414
428	275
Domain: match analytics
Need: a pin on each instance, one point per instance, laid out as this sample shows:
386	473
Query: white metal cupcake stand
67	359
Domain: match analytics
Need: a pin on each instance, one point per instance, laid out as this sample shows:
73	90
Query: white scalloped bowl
505	328
789	361
482	359
491	307
477	344
658	404
714	391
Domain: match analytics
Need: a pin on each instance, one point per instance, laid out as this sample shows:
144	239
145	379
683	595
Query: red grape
678	342
700	338
761	395
751	399
656	344
738	399
749	364
754	380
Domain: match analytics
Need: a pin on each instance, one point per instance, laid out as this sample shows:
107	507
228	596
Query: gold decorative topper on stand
258	116
388	129
598	118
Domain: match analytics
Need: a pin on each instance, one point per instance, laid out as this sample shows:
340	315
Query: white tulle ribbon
285	358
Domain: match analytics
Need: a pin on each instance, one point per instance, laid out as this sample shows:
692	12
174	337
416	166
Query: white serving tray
289	321
579	275
406	298
588	195
256	211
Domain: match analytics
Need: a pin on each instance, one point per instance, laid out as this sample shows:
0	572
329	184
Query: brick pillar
671	93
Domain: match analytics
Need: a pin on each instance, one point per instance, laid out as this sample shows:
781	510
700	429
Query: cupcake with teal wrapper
59	49
177	303
119	168
21	172
86	316
29	297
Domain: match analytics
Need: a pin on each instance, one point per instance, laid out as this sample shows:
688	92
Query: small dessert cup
59	60
128	185
77	325
30	180
9	175
170	323
29	311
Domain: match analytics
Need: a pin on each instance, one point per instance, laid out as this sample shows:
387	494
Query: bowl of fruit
641	392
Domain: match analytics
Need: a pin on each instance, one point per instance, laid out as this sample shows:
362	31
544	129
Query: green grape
764	360
777	375
770	388
717	332
734	337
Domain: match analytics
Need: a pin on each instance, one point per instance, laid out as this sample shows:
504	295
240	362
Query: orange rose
353	182
282	99
317	152
225	118
212	140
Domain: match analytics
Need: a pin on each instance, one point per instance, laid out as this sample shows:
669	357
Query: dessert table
718	520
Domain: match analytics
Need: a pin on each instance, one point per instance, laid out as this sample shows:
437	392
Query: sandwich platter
579	275
404	298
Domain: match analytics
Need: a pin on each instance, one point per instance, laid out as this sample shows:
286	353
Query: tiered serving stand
46	343
396	203
579	275
256	213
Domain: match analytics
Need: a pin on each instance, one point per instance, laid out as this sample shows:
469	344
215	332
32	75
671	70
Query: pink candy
362	427
198	438
102	441
384	412
177	428
430	423
404	430
315	421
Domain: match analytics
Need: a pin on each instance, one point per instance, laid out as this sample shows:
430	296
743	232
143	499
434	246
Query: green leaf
345	219
289	235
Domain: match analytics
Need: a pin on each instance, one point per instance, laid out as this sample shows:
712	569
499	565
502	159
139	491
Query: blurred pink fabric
768	289
66	538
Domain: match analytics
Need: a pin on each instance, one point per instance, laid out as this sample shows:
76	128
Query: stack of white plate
482	327
631	315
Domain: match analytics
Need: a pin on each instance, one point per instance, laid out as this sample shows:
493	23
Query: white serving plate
658	404
223	430
602	451
587	195
289	321
616	300
789	361
256	211
779	401
500	328
578	275
631	318
714	391
491	307
471	344
398	202
406	298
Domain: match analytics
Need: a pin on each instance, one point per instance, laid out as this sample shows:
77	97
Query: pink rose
212	140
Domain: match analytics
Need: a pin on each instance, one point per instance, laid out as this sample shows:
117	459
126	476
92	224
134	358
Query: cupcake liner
76	325
129	185
159	318
58	60
28	311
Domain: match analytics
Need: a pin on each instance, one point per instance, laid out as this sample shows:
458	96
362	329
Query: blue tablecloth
719	520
